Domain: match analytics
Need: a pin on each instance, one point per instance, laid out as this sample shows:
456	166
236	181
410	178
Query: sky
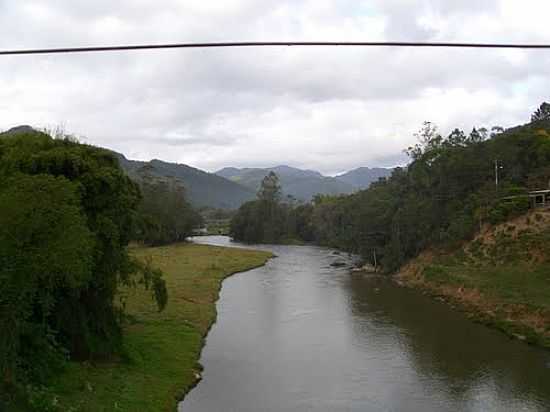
328	109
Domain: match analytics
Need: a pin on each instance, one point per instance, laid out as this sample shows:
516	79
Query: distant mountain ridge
18	130
362	177
230	187
305	184
283	170
301	184
203	189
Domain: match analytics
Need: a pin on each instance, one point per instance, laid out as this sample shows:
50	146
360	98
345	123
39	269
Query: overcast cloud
329	109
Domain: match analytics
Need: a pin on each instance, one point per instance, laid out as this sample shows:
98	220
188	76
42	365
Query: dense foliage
542	113
270	218
445	194
67	213
164	215
216	221
261	220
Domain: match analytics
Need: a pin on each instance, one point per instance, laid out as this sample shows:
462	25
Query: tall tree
270	189
164	215
67	213
542	113
265	219
45	253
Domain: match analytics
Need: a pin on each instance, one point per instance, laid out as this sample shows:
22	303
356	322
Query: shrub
507	208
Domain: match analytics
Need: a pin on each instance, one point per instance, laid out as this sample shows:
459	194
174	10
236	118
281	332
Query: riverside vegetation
439	205
161	349
500	278
84	318
66	216
77	309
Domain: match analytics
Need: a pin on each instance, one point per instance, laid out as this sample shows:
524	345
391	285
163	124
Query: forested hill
443	197
298	183
362	177
202	189
230	187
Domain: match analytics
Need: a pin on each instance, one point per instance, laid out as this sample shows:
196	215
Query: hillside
298	183
446	225
501	277
362	177
203	189
230	187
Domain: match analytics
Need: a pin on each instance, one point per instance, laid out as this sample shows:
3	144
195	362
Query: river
301	335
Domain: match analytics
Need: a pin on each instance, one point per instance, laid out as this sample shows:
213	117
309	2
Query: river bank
162	349
300	334
501	278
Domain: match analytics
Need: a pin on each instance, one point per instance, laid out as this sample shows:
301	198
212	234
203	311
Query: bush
508	208
435	273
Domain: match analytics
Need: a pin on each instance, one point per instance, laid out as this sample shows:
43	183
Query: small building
540	198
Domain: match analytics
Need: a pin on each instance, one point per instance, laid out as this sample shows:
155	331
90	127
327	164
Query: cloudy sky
329	109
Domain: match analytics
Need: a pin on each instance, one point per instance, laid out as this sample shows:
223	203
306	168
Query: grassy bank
501	278
162	348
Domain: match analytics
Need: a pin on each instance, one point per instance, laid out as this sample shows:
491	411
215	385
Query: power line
88	49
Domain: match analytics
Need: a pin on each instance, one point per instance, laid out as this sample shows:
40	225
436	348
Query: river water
301	335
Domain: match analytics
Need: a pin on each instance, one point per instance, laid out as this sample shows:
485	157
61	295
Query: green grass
162	348
511	270
520	283
511	278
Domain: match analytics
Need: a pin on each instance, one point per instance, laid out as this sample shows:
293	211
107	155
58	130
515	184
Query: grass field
163	348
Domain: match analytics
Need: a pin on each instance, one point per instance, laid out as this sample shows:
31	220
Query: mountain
203	189
18	130
230	187
362	177
299	183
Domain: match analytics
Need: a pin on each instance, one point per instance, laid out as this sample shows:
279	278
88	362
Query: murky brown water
300	335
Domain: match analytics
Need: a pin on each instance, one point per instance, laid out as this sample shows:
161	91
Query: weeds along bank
500	278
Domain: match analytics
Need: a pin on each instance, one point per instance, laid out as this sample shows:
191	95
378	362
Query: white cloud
325	108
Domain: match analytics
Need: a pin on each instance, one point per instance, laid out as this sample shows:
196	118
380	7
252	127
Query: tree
270	189
478	135
457	138
429	141
542	113
496	130
440	199
67	214
266	219
246	224
164	215
45	252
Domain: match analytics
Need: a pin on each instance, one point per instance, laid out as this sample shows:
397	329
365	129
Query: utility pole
375	262
497	167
